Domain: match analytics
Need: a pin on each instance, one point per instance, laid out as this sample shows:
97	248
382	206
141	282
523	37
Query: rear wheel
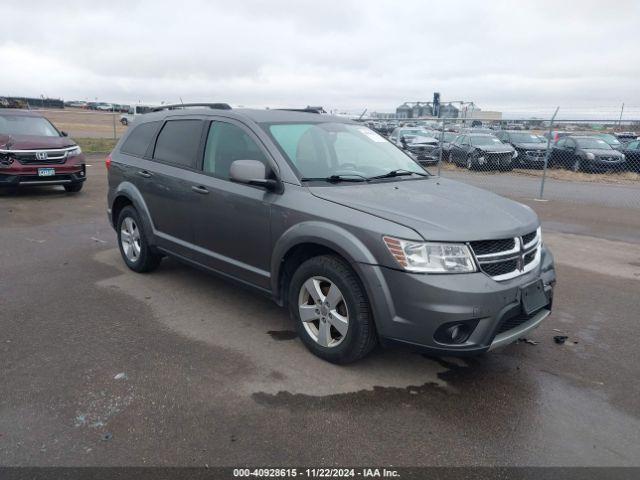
331	310
134	246
73	188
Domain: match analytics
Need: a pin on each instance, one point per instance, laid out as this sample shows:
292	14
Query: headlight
590	156
74	151
427	257
515	154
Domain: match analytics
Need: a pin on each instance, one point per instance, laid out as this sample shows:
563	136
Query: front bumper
410	308
604	166
22	175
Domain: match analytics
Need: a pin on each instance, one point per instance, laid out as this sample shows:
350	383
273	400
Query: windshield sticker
372	135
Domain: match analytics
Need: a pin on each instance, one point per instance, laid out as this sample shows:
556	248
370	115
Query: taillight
107	162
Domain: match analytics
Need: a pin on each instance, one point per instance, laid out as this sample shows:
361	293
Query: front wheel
576	166
331	310
134	246
469	162
124	121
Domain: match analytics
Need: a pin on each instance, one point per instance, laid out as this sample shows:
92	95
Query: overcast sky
341	54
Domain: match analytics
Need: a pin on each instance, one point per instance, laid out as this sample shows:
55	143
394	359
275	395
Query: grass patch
96	145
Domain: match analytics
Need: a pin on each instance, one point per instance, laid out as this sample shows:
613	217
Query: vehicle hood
531	146
494	148
33	142
603	152
423	141
436	208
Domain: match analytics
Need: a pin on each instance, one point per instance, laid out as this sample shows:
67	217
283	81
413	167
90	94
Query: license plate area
46	172
533	297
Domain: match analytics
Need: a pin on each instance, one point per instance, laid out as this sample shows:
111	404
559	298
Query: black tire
576	166
469	162
148	260
361	336
124	122
74	187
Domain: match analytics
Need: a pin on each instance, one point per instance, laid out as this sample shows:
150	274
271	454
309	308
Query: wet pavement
102	366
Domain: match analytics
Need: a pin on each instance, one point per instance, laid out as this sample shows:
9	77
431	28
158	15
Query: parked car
586	153
134	112
444	143
531	148
402	136
334	222
631	151
34	152
418	142
625	137
105	107
612	140
480	150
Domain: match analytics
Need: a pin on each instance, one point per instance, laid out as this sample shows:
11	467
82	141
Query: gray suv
333	221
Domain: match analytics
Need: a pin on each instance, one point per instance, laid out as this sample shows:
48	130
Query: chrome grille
507	258
40	156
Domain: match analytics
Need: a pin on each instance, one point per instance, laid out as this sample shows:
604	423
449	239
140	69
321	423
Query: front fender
345	243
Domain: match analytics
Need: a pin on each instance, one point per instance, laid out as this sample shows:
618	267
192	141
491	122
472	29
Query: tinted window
139	139
227	143
633	145
562	142
178	142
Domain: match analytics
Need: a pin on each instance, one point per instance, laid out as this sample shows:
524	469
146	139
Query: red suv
34	152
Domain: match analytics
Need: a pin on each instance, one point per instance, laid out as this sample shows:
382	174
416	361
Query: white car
134	112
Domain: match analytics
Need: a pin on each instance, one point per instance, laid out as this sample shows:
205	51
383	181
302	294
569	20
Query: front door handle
199	189
145	174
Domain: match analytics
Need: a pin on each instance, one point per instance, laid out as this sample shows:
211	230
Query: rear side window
178	142
138	140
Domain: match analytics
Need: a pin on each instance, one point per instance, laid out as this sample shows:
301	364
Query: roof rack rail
179	106
308	109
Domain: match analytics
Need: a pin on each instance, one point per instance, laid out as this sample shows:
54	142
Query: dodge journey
335	223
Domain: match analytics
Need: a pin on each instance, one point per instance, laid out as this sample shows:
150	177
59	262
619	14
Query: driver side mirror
63	133
403	140
252	172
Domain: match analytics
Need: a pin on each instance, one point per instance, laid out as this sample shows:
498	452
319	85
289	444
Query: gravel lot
101	366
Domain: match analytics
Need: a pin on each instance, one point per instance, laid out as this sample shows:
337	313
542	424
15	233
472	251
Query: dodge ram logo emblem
41	155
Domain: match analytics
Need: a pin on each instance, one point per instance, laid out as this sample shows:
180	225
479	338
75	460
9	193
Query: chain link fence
594	160
589	155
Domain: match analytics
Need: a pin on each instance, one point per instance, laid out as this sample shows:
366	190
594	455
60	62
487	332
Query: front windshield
485	140
596	143
26	125
320	150
450	136
414	133
526	138
610	139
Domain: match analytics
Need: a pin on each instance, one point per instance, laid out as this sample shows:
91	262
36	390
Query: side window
465	140
562	142
178	142
139	139
225	144
633	145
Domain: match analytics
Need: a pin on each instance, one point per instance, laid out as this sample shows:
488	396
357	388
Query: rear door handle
145	174
199	189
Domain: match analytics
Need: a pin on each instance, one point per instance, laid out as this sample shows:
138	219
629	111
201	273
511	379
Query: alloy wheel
130	239
323	311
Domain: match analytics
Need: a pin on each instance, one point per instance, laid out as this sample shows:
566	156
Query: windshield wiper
398	173
352	177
